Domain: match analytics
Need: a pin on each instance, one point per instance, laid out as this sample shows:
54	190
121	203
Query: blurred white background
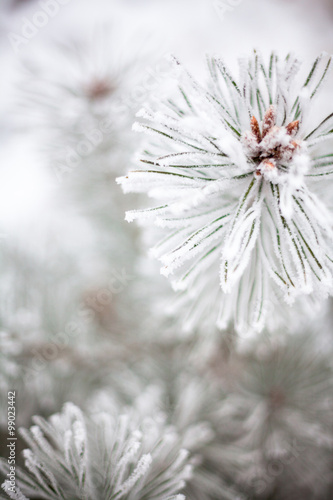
187	28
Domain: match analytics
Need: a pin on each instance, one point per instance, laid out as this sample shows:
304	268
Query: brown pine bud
255	128
292	127
269	120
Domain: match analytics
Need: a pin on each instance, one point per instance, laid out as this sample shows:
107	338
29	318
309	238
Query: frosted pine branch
239	173
124	457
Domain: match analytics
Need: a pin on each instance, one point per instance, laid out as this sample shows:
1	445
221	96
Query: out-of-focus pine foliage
115	400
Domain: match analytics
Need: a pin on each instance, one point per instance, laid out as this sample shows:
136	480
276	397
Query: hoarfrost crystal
241	175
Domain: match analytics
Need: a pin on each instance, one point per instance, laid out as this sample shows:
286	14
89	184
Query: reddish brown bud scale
269	163
255	128
292	127
296	144
269	120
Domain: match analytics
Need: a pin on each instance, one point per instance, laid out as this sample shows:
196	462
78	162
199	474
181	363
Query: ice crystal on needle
240	174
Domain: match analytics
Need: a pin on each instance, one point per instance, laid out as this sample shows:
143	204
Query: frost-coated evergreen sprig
110	457
241	176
